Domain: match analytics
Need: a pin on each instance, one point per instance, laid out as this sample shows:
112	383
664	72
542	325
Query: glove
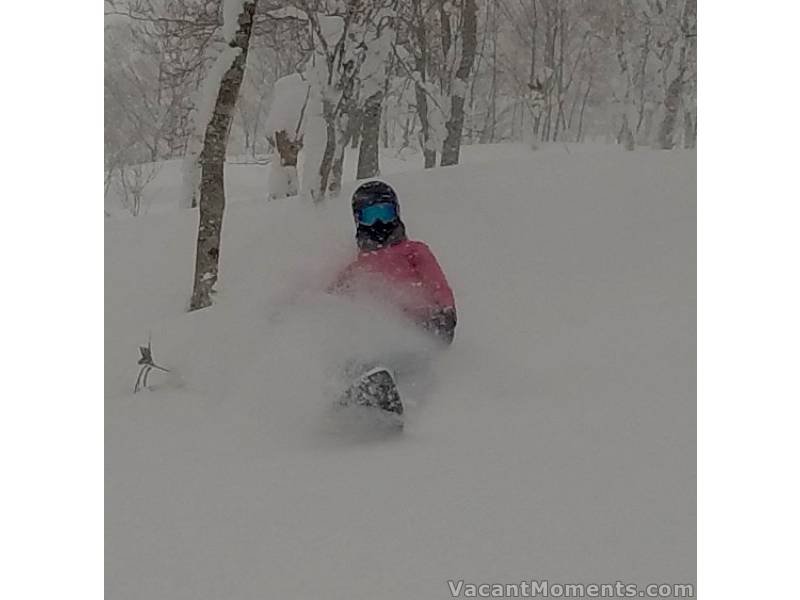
442	323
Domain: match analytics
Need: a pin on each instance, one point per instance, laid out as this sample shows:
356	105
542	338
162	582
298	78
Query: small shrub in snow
147	365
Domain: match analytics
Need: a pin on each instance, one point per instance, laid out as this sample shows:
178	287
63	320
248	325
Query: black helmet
379	233
373	192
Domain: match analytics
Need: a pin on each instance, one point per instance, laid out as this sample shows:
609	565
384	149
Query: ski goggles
385	212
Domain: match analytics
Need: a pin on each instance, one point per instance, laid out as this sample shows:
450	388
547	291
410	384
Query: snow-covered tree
213	117
373	83
468	20
682	40
284	127
421	76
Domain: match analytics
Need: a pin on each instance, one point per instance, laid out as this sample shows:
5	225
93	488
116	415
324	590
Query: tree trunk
560	79
384	116
672	103
385	131
471	131
368	165
408	127
288	148
469	42
672	99
625	136
422	111
579	137
551	31
532	83
337	169
493	104
690	130
344	130
212	163
447	34
642	82
330	150
534	26
649	116
420	93
355	127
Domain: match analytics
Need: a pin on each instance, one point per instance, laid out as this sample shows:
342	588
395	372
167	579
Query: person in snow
390	266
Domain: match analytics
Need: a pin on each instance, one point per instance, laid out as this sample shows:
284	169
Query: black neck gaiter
379	235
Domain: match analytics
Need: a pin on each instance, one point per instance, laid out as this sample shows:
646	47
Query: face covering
379	234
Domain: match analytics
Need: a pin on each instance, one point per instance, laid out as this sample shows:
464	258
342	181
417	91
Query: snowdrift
554	440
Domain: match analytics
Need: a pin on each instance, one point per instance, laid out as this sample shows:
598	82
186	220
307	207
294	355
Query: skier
400	271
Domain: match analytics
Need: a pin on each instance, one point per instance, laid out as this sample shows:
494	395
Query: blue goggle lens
384	211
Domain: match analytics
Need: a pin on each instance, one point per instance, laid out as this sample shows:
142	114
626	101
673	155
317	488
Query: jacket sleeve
442	319
432	276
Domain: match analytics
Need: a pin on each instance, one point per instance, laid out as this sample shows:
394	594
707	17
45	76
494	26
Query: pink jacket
406	274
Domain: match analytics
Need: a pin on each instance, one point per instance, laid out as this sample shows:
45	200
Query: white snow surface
231	9
332	27
289	96
438	114
554	440
378	48
288	12
282	181
459	88
315	137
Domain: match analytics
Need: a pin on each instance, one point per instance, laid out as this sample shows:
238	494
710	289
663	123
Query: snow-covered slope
554	440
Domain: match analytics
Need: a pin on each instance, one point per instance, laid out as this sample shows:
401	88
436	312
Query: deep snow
554	440
246	179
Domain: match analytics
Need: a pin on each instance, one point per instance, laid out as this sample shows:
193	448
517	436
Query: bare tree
374	86
340	40
212	163
458	71
370	131
674	92
417	41
469	41
155	55
130	181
